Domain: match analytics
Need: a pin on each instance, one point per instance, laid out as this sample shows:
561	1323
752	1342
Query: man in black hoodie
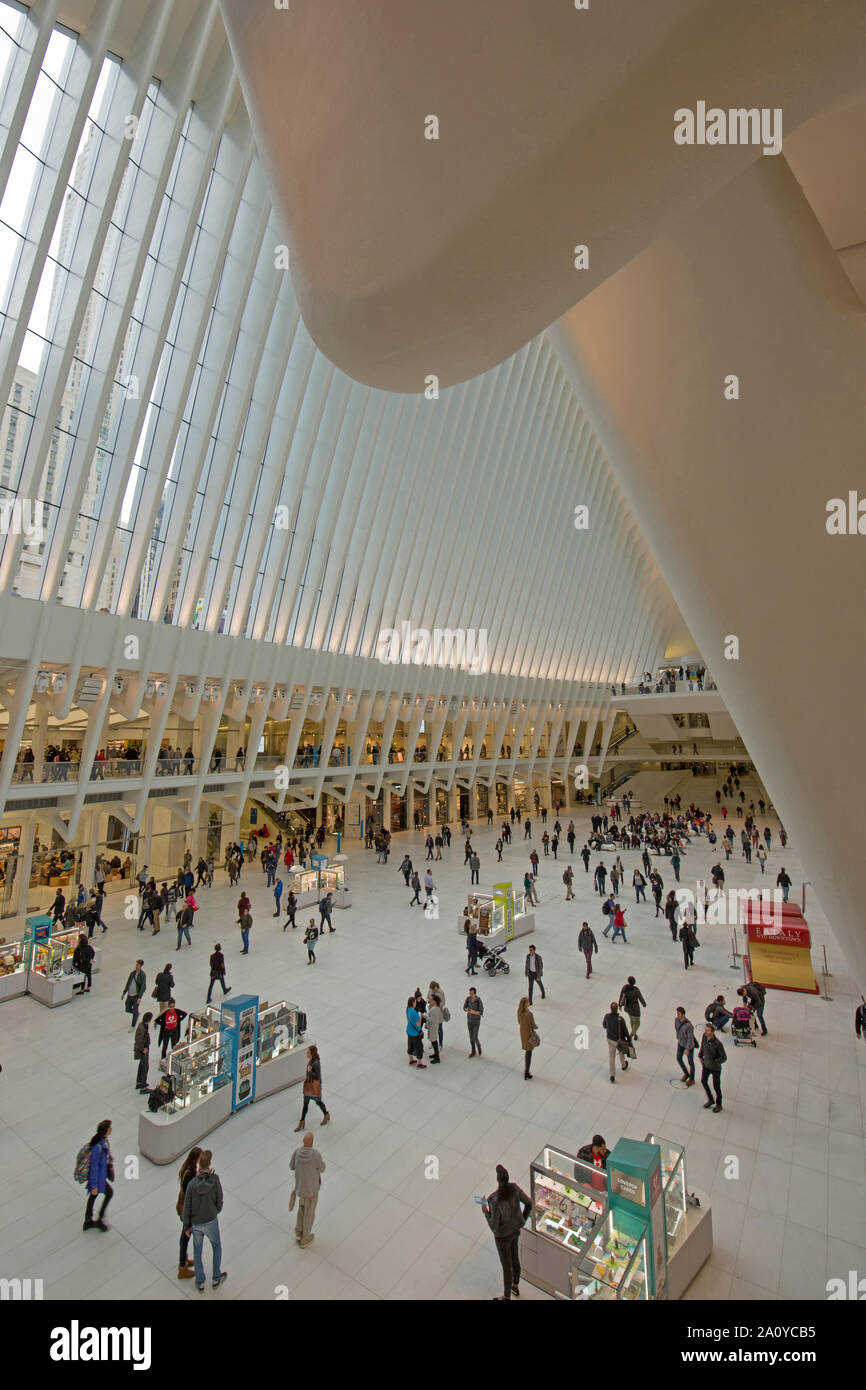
200	1216
218	971
506	1211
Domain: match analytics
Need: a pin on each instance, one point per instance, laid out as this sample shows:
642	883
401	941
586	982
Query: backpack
565	876
605	907
81	1171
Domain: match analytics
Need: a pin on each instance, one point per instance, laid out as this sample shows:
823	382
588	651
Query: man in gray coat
533	970
473	1009
308	1166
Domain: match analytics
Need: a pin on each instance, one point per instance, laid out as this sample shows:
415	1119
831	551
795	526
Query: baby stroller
494	961
741	1027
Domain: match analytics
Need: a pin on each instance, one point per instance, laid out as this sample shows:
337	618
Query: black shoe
100	1225
88	1225
223	1277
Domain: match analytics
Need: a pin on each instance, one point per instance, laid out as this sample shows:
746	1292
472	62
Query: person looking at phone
505	1211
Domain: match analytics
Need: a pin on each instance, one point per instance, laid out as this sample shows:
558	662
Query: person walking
312	1088
587	943
499	851
278	893
186	1173
529	889
657	886
533	859
568	880
416	886
202	1205
100	1176
184	922
311	936
675	865
783	881
685	1034
473	1009
712	1056
533	969
639	884
600	877
406	869
672	913
429	845
218	971
475	866
631	999
133	991
82	961
325	907
163	985
860	1019
141	1053
505	1212
607	908
529	1038
414	1035
616	1032
245	923
584	854
619	923
291	909
308	1166
687	939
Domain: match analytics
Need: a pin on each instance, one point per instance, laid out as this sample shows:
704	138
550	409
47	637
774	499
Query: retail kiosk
627	1232
235	1055
500	916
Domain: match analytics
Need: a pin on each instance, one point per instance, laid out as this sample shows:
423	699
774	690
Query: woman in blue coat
101	1170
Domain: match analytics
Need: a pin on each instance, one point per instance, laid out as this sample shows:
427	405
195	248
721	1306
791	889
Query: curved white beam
414	256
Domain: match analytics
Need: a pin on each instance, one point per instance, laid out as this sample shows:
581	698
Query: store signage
239	1020
624	1185
10	839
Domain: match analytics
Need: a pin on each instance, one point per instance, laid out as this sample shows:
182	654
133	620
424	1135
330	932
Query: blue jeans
639	894
690	1054
618	931
211	1229
181	932
245	934
785	892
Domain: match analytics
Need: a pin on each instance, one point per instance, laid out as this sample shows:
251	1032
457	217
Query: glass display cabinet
197	1069
304	883
13	968
568	1198
201	1025
333	878
53	958
278	1031
614	1264
673	1188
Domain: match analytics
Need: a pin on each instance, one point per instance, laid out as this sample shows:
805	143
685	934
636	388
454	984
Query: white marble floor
793	1117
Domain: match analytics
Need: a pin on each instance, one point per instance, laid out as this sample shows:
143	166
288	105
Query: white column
732	494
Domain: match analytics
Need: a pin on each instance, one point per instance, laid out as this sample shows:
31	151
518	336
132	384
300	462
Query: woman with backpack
187	1172
99	1175
312	1088
163	985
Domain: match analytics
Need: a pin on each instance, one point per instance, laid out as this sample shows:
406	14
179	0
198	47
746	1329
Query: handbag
446	1015
313	1089
534	1039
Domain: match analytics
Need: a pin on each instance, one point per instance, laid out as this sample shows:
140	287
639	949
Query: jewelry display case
13	969
568	1198
615	1263
197	1069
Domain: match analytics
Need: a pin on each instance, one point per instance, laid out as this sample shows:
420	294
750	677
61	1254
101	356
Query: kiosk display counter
490	917
13	969
51	977
615	1263
333	880
304	883
688	1228
568	1198
203	1093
